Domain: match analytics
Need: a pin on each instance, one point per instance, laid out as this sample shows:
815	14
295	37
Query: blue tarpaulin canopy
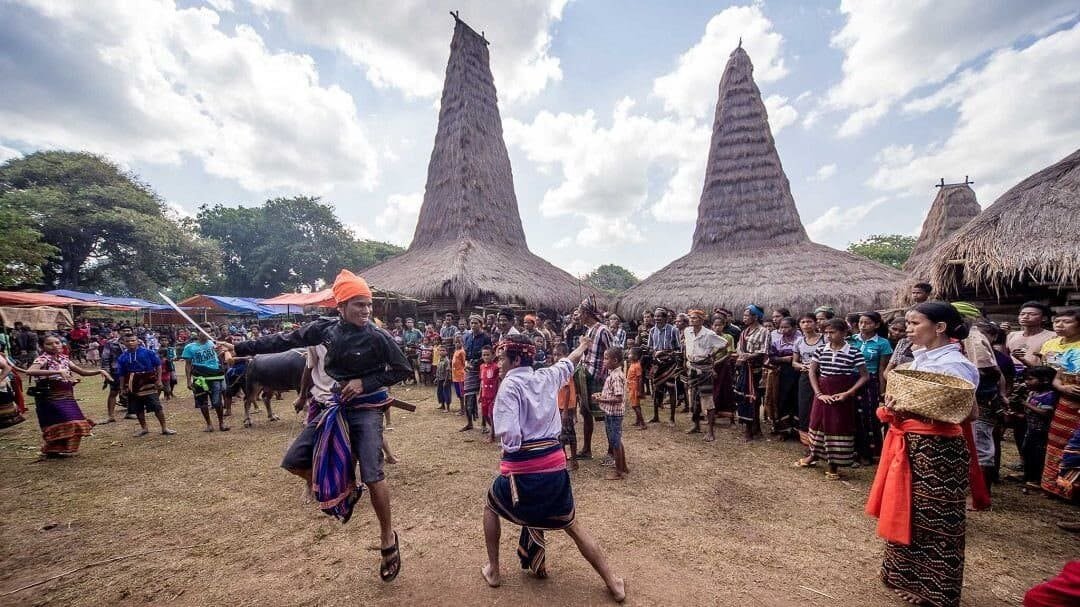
131	302
238	305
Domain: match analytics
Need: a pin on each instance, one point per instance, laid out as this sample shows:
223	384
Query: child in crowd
167	379
489	387
457	373
612	402
567	399
540	360
1040	409
426	355
633	386
442	379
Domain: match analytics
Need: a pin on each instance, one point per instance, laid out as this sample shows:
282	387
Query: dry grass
469	242
750	245
953	207
1029	234
721	524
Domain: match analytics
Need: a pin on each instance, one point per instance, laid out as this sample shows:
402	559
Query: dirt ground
702	524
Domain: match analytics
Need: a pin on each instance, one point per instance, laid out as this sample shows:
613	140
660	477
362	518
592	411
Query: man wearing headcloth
750	357
664	345
533	487
364	361
591	371
473	344
702	347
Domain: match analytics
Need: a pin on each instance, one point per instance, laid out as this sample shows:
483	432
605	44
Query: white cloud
892	49
1016	115
606	170
823	173
222	6
578	267
7	153
604	233
404	45
780	113
160	83
837	226
397	222
690	90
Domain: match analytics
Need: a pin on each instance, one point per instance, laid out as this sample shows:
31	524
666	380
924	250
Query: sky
606	105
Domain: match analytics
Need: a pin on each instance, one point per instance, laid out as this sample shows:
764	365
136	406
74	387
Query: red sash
890	495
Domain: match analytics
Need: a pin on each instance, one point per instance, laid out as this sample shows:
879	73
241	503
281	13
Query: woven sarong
1063	425
832	425
61	420
699	384
932	567
333	464
537	501
747	387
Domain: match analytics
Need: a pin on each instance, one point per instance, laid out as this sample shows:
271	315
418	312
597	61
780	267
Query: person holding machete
364	361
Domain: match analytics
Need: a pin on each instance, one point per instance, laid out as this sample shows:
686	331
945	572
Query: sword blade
175	307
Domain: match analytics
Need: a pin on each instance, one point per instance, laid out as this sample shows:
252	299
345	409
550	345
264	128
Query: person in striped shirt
837	374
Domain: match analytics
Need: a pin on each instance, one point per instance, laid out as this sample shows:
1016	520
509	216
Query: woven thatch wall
1029	236
953	207
750	245
469	243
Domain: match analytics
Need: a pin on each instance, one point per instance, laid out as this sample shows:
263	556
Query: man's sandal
388	570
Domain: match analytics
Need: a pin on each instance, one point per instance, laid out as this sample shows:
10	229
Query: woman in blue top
876	351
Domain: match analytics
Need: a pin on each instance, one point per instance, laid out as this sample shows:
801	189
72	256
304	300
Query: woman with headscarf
921	485
749	357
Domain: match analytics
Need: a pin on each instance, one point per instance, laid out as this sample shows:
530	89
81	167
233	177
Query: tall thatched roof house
953	207
469	244
750	245
1024	246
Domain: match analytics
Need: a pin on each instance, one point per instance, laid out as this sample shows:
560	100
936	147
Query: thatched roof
953	207
1029	235
749	244
469	243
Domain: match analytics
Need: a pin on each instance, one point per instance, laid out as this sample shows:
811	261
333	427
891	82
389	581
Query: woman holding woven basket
920	490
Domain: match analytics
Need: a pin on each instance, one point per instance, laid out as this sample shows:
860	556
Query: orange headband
348	285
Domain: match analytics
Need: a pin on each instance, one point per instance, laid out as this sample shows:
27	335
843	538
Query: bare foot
390	459
223	428
710	437
492	577
618	590
573	464
208	429
613	476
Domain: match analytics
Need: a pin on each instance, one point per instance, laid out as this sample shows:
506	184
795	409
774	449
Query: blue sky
606	105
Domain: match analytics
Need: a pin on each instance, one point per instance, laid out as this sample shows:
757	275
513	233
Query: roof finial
740	41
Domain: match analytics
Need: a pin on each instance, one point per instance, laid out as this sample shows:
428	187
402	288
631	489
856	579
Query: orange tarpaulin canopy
320	299
18	298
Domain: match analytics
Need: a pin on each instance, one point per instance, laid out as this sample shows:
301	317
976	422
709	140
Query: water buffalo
269	373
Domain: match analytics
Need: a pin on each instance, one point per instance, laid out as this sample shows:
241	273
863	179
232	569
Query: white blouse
947	360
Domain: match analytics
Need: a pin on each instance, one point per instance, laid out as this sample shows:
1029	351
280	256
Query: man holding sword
364	361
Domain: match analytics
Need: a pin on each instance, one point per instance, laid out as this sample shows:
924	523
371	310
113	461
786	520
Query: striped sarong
333	465
832	425
537	501
1063	425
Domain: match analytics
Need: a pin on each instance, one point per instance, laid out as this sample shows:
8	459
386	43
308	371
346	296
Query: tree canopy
284	244
611	278
889	249
100	228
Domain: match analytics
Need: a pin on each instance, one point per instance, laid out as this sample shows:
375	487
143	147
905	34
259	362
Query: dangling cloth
333	464
1070	459
533	490
1062	590
890	495
980	494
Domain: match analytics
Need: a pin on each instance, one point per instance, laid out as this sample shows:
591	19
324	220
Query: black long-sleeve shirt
368	352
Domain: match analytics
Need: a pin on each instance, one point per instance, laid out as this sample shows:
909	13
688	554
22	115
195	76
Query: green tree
889	249
284	244
110	231
611	278
21	249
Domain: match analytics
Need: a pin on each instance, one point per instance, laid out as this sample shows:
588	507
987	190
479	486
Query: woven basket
935	396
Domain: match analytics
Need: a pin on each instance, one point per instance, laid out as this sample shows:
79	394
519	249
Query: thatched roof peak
953	207
470	187
746	201
469	243
1027	236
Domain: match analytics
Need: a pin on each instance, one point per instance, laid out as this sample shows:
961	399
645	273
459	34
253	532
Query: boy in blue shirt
205	378
139	373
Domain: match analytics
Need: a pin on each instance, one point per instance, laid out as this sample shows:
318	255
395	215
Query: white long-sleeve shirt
526	407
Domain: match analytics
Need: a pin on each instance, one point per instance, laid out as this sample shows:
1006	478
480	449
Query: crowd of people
819	378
